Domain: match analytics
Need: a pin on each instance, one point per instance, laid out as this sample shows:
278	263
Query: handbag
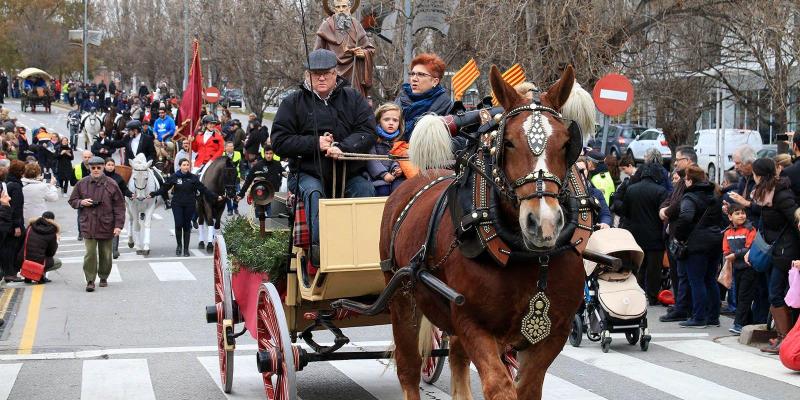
680	250
792	297
760	255
30	269
725	277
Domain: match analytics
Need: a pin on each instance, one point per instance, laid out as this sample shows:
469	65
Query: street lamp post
85	45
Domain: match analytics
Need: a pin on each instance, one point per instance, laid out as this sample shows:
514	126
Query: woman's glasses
419	75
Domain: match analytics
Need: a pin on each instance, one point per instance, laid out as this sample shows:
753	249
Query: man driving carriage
313	128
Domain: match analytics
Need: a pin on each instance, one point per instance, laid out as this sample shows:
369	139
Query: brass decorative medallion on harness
473	198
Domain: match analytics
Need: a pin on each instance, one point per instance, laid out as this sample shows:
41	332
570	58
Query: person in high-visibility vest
600	176
236	158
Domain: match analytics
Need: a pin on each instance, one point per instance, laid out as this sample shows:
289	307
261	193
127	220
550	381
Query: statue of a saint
344	35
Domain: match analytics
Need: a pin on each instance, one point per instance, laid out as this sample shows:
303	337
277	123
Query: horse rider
135	142
208	144
313	127
102	146
263	170
74	124
90	104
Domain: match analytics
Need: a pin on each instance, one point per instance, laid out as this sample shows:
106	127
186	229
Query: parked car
705	144
232	98
619	137
649	139
768	151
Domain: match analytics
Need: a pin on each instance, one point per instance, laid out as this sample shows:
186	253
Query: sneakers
13	278
90	287
713	322
236	211
80	237
103	282
735	329
230	213
691	323
673	316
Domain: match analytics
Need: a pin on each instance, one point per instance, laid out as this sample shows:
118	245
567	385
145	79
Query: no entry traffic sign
613	94
211	94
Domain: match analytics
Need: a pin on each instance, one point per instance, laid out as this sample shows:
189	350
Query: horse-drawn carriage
373	251
39	93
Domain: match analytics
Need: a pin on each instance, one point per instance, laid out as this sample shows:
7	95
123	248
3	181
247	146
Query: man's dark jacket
793	173
146	147
640	209
14	186
302	116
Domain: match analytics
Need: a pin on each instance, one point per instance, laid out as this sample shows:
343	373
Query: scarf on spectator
420	104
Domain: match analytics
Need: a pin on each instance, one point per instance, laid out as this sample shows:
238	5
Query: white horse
92	125
141	208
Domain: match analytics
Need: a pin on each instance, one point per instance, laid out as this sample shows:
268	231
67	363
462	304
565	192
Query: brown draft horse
497	298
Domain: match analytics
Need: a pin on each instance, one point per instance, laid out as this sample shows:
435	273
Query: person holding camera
37	191
102	216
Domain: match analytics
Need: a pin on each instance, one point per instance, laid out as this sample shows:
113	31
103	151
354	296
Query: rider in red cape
208	144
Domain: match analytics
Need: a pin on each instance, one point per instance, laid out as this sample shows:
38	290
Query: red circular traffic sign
211	94
613	94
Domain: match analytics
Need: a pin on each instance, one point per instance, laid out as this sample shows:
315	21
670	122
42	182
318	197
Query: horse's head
532	152
141	172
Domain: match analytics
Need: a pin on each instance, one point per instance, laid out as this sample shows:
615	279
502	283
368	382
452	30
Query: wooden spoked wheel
273	338
432	366
223	298
510	361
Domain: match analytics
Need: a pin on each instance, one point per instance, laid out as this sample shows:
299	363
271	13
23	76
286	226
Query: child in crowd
386	174
736	243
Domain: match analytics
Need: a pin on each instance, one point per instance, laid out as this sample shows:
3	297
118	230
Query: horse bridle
537	141
135	186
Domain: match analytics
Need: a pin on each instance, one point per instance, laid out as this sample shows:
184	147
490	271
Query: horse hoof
139	252
145	252
201	245
130	245
209	247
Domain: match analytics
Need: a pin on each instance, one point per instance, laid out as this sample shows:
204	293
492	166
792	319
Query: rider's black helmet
134	125
209	118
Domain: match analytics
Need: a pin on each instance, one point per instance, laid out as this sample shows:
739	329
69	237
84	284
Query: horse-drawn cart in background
39	93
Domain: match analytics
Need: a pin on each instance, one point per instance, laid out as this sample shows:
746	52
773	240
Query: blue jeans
701	269
231	205
777	285
311	191
683	295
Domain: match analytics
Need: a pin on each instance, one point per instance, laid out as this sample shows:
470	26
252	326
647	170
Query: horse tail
430	146
424	337
579	107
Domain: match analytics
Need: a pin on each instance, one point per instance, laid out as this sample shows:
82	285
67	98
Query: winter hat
48	215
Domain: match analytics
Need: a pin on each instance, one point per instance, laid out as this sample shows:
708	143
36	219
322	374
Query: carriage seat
349	235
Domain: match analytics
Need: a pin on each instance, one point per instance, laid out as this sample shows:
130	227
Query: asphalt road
145	337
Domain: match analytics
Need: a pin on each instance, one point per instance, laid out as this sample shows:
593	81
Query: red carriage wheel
432	366
223	298
274	342
510	361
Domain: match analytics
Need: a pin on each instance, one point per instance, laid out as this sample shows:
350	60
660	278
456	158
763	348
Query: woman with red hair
423	93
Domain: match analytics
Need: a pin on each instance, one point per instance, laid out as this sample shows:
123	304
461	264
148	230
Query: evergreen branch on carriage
249	250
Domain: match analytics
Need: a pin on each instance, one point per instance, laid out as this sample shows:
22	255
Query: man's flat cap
321	59
96	161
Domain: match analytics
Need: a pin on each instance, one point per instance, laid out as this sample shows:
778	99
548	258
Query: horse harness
473	198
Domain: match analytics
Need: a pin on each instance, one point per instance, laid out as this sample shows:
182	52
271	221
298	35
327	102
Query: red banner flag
192	99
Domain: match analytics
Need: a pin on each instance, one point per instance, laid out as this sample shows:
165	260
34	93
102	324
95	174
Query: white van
705	144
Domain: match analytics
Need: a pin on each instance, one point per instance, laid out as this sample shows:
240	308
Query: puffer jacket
98	221
776	218
37	193
699	220
42	242
302	116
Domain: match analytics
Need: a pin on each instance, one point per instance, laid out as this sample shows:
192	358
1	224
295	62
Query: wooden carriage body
349	232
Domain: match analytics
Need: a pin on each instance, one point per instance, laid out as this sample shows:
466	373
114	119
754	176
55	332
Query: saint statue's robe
358	71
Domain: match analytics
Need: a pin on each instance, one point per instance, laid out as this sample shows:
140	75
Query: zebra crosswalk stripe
728	357
247	381
380	381
114	276
116	380
555	388
675	383
8	376
171	271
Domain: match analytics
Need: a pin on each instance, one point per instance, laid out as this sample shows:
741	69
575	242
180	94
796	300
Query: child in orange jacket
736	242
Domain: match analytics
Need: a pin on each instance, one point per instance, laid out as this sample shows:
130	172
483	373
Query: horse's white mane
430	146
580	108
139	162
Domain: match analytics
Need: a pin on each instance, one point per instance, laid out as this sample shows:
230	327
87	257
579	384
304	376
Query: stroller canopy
614	242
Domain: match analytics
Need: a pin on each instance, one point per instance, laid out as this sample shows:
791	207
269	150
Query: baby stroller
613	300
